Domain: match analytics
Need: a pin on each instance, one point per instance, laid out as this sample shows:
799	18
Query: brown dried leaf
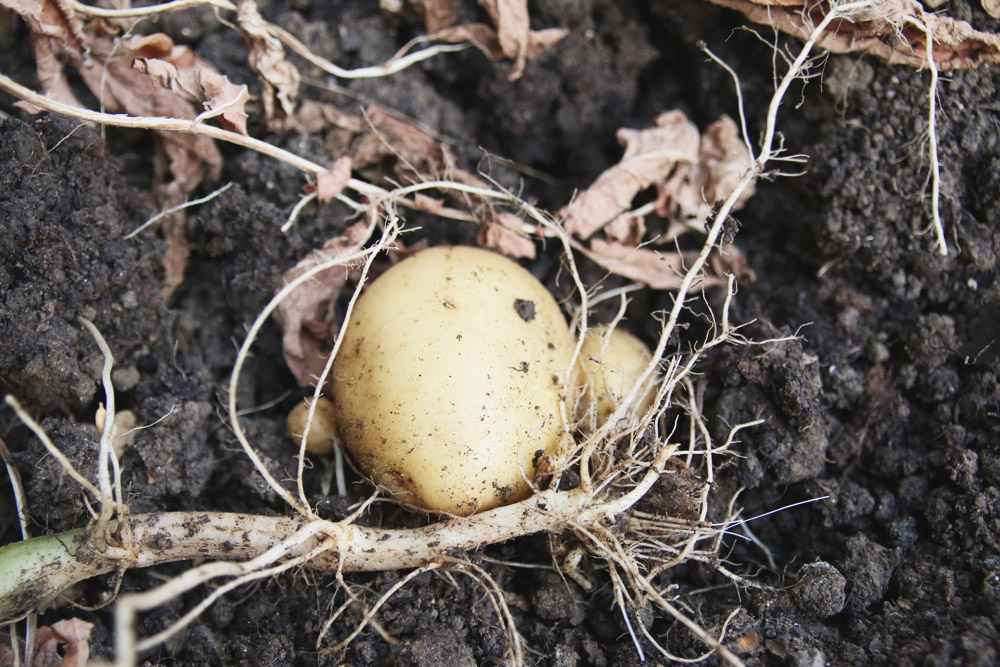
627	229
73	634
180	160
513	37
331	183
181	70
279	77
651	155
175	257
313	117
389	136
691	191
54	33
479	35
730	260
502	231
890	29
120	87
223	97
438	14
659	270
513	25
61	25
306	316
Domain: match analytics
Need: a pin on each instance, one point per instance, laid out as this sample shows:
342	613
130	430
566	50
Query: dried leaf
650	156
659	270
479	35
730	260
306	316
72	634
502	231
889	29
627	229
438	14
331	183
54	32
691	192
181	70
513	25
279	77
312	117
513	37
225	98
390	136
119	87
175	257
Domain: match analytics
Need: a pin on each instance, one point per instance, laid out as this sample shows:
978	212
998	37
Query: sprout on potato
448	386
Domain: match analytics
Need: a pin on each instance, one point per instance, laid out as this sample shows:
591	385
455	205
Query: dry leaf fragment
306	316
502	231
72	634
665	270
279	77
513	25
224	98
438	14
659	270
390	136
890	29
627	229
651	155
479	35
693	189
54	33
513	37
181	70
180	160
331	183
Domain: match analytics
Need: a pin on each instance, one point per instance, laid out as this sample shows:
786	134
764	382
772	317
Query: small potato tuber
321	432
448	386
610	362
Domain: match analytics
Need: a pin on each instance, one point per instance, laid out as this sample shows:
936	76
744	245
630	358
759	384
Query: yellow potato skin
610	362
448	384
320	440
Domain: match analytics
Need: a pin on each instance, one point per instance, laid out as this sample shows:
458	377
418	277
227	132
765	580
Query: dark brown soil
888	404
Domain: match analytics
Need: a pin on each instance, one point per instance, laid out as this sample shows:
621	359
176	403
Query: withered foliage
894	30
690	173
62	644
510	37
307	316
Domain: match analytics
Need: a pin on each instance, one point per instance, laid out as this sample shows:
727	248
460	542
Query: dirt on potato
886	404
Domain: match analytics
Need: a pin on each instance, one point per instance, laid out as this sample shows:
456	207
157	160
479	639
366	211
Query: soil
886	406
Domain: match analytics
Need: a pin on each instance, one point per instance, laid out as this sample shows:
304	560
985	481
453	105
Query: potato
448	384
610	362
320	440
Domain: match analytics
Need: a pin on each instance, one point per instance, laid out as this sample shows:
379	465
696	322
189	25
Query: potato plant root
164	537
